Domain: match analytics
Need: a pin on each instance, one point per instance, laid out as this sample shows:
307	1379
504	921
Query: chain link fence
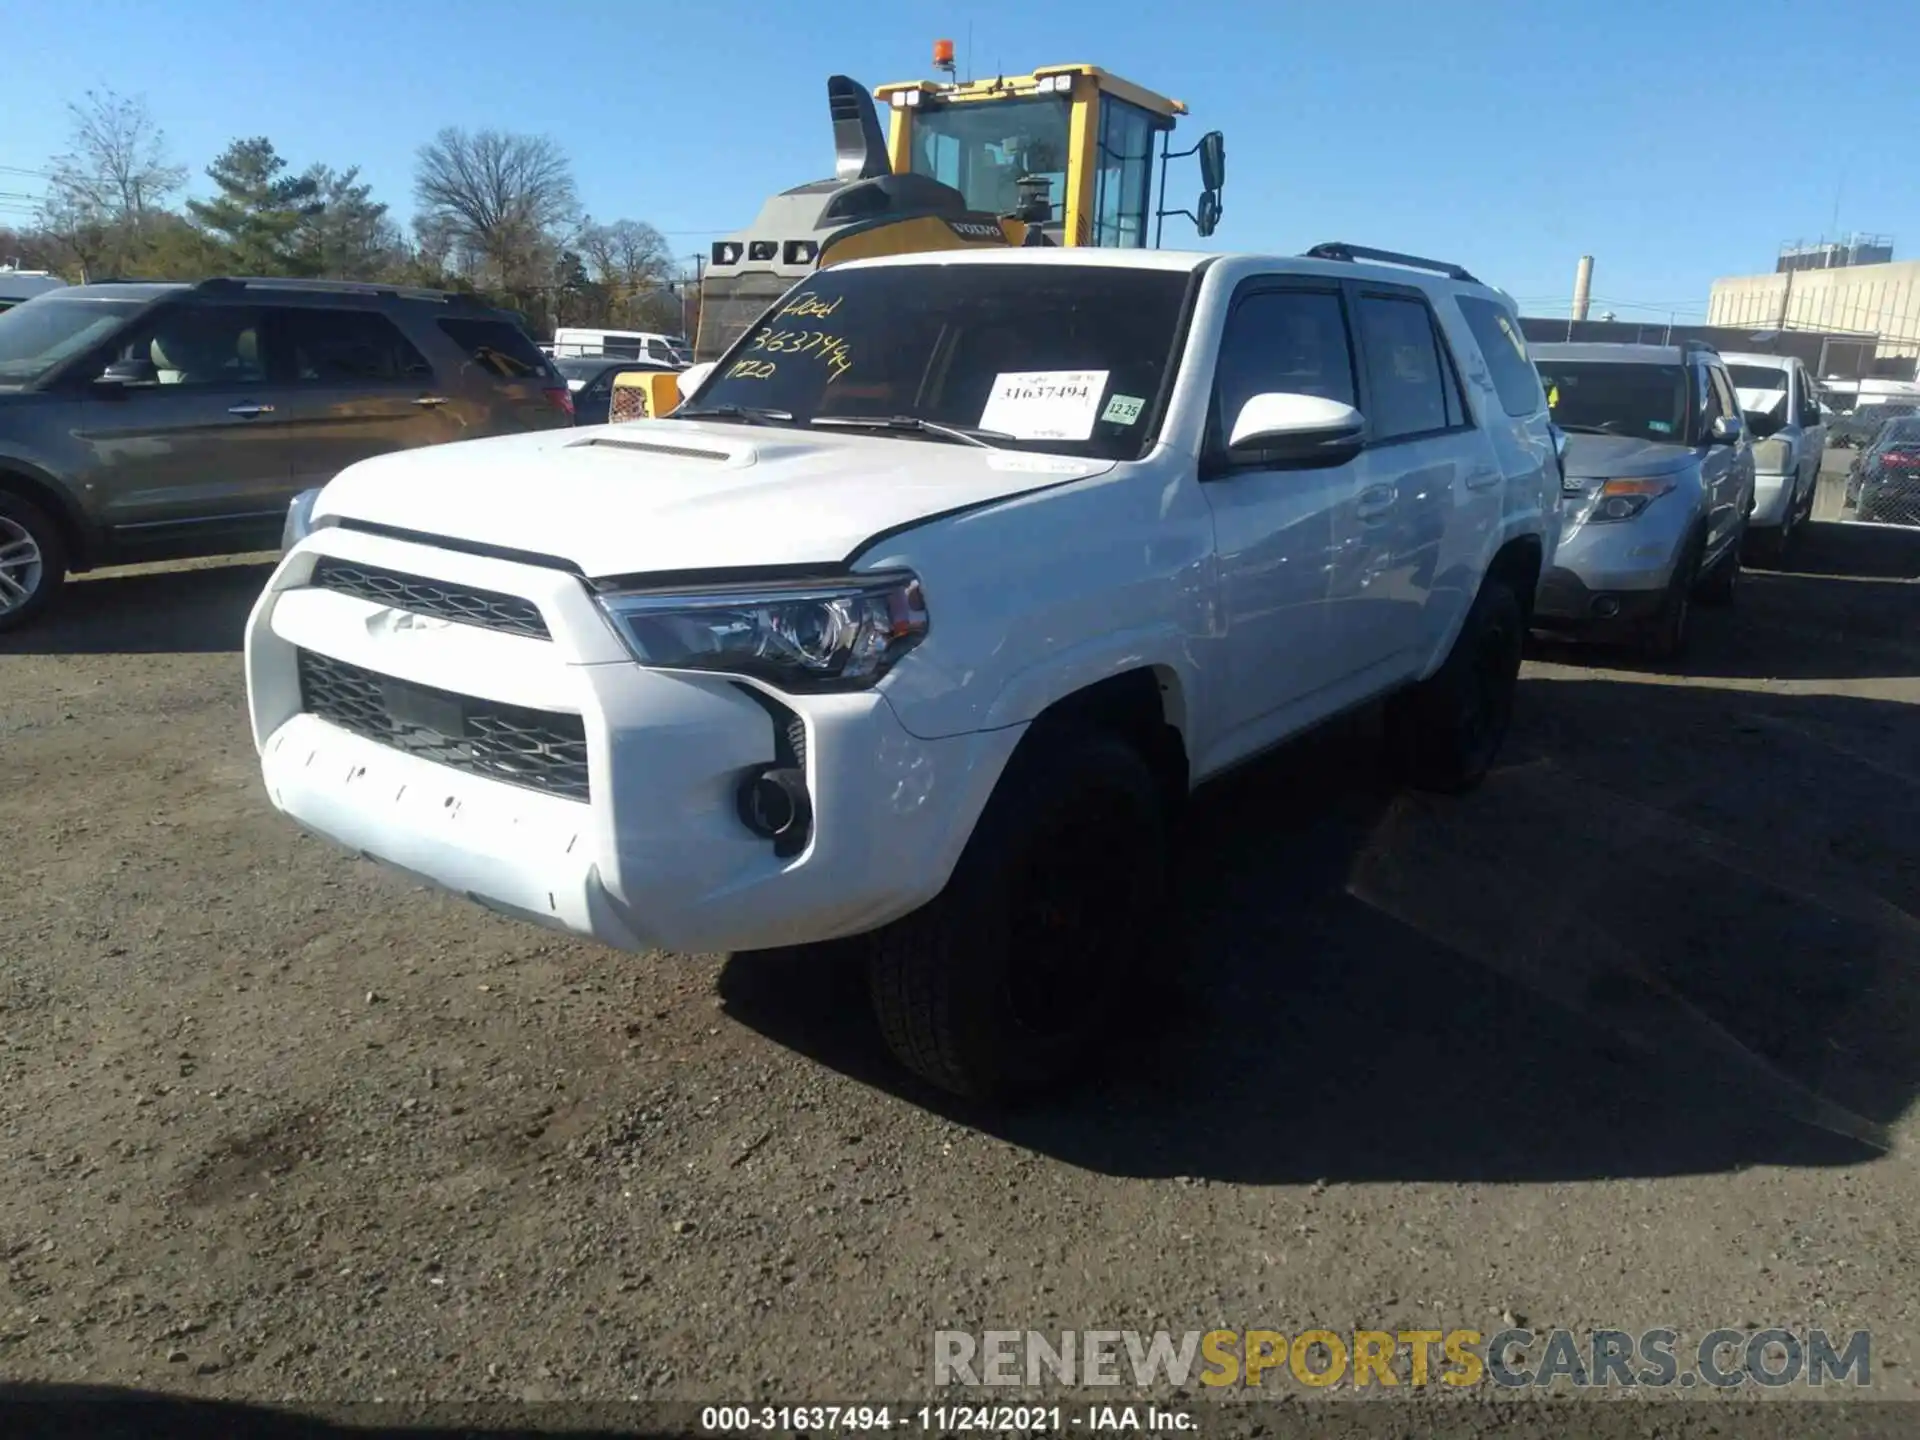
1883	485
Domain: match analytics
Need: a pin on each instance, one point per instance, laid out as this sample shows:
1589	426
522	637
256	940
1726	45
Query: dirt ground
1627	1038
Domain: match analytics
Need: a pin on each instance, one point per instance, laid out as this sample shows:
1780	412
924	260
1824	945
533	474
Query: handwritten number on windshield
830	349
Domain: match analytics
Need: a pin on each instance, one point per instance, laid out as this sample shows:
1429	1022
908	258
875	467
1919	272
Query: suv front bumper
1611	572
656	854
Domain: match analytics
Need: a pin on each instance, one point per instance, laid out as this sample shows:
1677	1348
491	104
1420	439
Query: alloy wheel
22	567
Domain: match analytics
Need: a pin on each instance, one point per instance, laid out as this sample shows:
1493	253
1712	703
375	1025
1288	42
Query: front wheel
1002	985
33	560
1720	584
1446	731
1666	634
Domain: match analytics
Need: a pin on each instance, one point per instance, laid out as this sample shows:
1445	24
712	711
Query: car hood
1599	457
662	495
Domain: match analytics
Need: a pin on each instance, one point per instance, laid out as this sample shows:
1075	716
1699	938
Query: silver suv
1658	489
164	421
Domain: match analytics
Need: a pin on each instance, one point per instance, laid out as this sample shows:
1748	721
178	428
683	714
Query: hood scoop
653	447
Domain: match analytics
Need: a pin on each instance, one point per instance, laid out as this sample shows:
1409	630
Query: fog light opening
1606	606
774	803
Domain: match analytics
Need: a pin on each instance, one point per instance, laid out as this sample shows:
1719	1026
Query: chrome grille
489	609
541	750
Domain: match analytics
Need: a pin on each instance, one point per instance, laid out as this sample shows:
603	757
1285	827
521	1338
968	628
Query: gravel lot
1627	1038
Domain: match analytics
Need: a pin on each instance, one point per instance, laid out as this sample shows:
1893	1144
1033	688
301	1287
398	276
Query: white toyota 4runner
923	614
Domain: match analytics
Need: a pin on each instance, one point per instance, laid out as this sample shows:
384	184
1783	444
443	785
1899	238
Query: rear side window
349	346
1283	341
499	347
1498	335
1407	377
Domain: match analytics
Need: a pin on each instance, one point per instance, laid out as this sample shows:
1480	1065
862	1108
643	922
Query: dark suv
165	421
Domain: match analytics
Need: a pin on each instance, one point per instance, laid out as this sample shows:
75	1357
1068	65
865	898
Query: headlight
299	519
830	635
1624	499
1773	456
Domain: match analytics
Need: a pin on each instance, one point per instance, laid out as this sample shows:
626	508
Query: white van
623	345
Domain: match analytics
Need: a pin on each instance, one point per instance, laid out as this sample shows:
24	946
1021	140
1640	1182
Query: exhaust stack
859	148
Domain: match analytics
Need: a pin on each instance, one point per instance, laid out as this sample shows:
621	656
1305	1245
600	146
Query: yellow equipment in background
1063	156
641	394
1089	134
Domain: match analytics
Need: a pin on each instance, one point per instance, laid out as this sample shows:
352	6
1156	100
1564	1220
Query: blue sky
1674	142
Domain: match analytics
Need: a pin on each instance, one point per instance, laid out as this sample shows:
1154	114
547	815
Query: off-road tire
972	992
1445	732
52	544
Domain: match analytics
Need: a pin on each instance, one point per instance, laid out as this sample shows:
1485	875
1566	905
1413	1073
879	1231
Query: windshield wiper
752	414
1582	429
983	438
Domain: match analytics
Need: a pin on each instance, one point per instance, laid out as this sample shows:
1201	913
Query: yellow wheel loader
1063	156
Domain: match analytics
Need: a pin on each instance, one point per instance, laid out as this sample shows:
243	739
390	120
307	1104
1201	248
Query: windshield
1062	358
1762	393
45	333
1610	397
581	367
1757	377
983	147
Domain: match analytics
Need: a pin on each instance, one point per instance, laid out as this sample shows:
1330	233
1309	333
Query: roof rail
336	287
1340	250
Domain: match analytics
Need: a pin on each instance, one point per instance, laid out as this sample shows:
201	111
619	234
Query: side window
1406	378
1723	389
345	347
1283	341
1500	340
199	345
498	347
1712	407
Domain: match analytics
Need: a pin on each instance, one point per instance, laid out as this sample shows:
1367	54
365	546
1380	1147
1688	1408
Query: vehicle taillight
561	399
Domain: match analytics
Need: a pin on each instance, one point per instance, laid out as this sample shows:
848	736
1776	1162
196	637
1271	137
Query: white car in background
1782	410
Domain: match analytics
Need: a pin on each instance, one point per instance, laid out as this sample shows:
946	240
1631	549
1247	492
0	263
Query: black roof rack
1340	250
337	287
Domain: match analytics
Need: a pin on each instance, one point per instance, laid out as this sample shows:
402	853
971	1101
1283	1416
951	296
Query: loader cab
1092	136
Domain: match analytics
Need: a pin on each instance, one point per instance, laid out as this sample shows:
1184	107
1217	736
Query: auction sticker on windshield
1045	404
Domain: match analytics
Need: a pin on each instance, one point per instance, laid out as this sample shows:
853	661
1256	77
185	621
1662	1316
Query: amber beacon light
943	55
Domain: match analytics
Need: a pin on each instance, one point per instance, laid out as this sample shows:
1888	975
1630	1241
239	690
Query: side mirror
1727	430
692	378
1296	432
1213	160
130	372
1206	213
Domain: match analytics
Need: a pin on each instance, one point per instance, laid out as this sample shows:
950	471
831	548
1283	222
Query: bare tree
115	176
628	260
506	199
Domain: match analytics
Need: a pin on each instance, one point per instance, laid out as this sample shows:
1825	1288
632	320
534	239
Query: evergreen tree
259	213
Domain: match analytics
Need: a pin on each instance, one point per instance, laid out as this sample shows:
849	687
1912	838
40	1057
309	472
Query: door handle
1375	501
1483	479
250	410
429	401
